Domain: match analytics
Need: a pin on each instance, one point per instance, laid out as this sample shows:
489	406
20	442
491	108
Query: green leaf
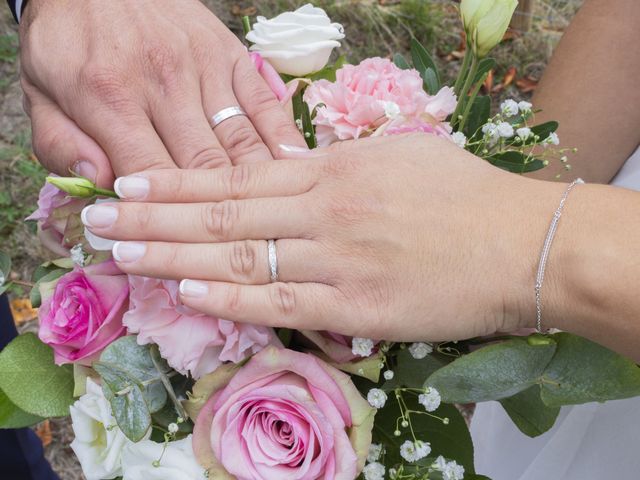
453	440
422	61
582	371
134	362
5	267
484	67
127	401
543	130
431	81
515	162
44	283
412	373
31	380
328	72
5	287
493	372
478	116
529	413
42	270
169	415
401	62
11	416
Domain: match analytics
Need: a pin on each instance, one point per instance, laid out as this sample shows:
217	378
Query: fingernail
297	152
132	187
99	216
86	169
127	252
192	288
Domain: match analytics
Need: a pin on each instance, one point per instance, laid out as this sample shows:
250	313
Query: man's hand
119	87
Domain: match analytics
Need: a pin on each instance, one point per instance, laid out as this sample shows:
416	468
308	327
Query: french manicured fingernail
132	187
86	169
127	252
192	288
99	216
295	151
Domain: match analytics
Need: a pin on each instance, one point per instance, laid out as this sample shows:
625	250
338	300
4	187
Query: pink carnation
354	105
82	312
190	341
58	217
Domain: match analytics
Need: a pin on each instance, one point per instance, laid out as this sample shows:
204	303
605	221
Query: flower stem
101	192
465	90
463	71
472	99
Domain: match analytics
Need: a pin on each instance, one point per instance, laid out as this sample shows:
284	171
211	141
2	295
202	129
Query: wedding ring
226	114
273	260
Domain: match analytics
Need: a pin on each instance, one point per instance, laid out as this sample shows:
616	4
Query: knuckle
283	299
233	299
106	84
238	181
161	61
243	259
351	208
242	140
219	219
48	140
209	157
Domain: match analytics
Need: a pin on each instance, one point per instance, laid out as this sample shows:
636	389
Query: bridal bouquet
157	390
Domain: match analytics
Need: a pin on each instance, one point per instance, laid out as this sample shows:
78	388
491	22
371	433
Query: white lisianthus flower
505	130
296	43
146	461
377	398
486	22
374	471
362	347
420	350
509	108
99	442
524	133
414	451
459	139
375	450
430	400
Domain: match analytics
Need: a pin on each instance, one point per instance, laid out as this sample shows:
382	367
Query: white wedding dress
588	442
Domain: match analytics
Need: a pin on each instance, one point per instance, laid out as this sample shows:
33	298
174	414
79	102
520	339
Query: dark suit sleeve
16	7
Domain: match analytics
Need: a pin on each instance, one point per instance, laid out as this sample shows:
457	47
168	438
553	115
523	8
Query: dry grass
372	29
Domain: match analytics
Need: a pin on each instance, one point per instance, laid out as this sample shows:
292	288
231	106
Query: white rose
296	43
99	442
176	463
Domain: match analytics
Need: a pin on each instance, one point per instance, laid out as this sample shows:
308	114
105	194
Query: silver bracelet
544	256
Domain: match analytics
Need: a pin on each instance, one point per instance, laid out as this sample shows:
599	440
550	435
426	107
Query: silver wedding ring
226	114
273	260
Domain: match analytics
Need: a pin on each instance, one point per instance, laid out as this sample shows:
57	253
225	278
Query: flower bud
486	22
74	186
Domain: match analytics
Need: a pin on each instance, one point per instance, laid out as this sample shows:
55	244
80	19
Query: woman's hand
397	238
120	87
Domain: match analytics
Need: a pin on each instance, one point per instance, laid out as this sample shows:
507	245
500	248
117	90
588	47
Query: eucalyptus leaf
453	439
42	270
582	371
127	401
32	381
5	267
493	372
401	62
411	372
11	416
529	413
422	61
516	162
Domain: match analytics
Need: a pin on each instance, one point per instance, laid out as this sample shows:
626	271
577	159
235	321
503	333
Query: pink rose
284	415
82	311
190	341
272	78
58	217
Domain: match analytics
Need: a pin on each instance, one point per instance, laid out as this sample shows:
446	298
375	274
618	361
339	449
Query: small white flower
393	473
77	255
374	471
375	450
414	451
510	108
173	428
440	463
377	398
505	130
524	133
453	471
388	375
525	107
552	139
420	350
430	400
459	139
363	347
391	110
490	131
